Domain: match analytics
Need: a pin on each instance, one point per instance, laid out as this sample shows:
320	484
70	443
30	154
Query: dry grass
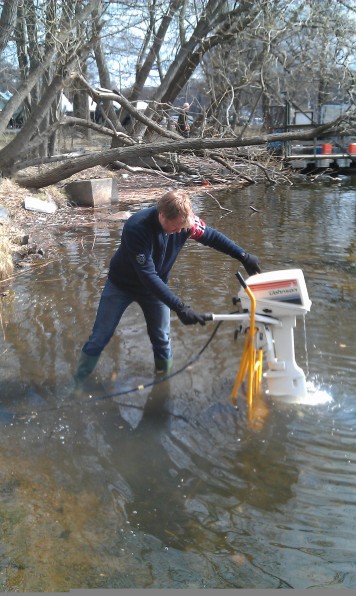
21	222
12	196
6	263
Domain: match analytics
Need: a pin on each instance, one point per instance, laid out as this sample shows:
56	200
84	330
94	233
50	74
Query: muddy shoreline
34	235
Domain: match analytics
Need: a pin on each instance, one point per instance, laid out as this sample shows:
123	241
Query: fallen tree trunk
123	154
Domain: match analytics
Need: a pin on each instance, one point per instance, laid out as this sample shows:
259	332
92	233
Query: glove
189	317
251	264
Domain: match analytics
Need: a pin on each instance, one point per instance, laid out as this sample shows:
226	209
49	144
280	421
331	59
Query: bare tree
250	52
42	81
300	49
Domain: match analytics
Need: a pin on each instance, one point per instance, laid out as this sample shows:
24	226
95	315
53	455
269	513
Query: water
102	494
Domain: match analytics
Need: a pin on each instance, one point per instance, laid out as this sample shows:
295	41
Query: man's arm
140	255
210	237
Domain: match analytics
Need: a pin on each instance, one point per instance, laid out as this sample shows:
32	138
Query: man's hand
251	264
189	317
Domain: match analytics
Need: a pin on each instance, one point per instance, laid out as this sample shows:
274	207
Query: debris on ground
29	218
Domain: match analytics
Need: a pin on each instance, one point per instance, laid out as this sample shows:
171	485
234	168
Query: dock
310	161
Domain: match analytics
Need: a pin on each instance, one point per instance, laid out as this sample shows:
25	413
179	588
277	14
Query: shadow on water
170	486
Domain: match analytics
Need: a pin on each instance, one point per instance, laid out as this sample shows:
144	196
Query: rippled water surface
169	486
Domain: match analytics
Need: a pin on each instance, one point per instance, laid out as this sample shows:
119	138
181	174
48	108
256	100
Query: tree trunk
103	70
7	21
10	153
144	70
52	55
104	158
215	26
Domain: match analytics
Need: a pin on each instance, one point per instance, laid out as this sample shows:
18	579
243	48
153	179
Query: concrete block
97	192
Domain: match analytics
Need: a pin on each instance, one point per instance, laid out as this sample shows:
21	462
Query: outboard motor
280	296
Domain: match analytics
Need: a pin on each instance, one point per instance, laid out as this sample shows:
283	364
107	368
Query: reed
6	262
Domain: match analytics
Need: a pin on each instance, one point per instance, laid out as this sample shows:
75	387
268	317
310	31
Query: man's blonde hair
175	203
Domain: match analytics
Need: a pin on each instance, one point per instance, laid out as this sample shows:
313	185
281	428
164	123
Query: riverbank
28	237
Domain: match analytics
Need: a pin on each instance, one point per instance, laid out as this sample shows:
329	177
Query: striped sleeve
197	228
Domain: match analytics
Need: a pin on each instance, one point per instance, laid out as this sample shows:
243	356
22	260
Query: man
182	124
139	271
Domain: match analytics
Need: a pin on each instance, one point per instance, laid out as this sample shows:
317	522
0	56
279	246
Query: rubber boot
163	367
85	366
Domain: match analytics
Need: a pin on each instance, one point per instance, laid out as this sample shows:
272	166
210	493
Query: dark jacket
183	124
146	255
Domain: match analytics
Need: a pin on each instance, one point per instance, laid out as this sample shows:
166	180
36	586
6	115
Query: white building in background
139	105
65	105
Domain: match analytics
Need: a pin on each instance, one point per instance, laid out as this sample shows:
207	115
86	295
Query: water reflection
170	486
